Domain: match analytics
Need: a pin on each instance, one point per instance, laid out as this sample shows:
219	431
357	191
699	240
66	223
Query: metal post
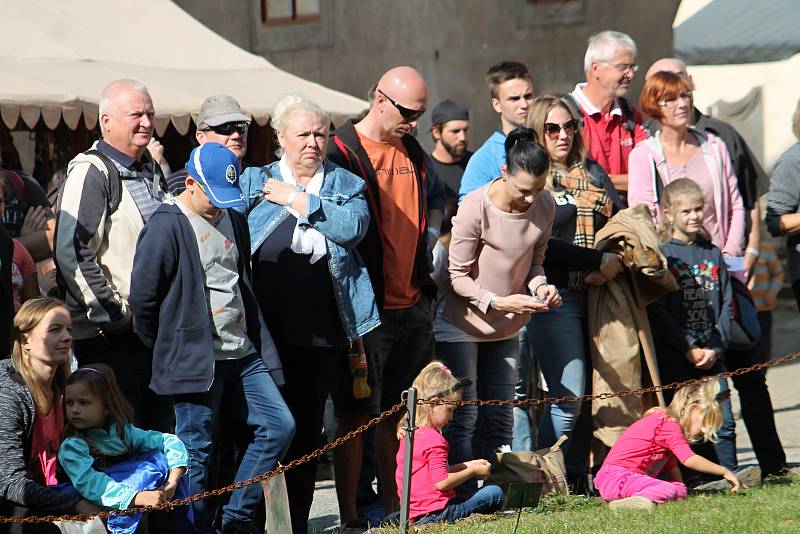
411	411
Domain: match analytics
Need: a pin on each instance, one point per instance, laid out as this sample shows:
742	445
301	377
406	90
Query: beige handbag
545	466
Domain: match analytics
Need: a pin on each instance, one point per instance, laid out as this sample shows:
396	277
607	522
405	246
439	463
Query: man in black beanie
450	131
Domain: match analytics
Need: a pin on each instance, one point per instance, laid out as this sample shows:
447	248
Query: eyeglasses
624	67
228	128
553	130
410	115
669	102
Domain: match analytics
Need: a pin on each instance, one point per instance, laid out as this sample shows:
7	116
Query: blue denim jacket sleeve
251	182
342	218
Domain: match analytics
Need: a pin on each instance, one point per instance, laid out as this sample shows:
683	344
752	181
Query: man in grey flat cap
221	120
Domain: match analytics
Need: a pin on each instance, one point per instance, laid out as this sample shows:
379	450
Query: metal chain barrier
372	422
627	393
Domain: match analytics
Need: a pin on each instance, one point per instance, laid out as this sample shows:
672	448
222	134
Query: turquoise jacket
339	213
97	487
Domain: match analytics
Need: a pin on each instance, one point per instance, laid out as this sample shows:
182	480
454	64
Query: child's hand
708	359
149	498
733	480
694	355
168	490
480	468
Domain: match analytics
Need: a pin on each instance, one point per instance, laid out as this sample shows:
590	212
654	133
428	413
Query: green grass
774	507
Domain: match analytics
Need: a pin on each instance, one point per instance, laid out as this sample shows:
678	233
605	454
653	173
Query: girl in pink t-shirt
433	479
641	469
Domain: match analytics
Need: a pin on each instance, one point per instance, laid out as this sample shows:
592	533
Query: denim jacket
340	213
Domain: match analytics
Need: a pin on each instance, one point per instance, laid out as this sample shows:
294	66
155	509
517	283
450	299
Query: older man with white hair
110	192
611	126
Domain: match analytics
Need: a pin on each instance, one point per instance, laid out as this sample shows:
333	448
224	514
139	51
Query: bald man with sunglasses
406	204
221	120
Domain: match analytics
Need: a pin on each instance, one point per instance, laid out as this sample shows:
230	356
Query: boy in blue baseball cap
213	179
192	302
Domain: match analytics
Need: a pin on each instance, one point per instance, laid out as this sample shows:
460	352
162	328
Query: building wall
452	42
779	97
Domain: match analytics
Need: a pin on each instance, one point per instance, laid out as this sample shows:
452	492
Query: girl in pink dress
642	468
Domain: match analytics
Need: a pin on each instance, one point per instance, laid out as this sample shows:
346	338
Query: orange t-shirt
399	218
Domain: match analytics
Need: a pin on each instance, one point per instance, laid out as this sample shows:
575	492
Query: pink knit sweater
495	253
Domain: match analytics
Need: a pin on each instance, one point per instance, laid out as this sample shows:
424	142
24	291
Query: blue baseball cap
217	169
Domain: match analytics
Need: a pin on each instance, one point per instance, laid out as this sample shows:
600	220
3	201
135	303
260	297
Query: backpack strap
573	107
109	169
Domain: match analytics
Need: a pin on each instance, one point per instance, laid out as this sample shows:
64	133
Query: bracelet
536	289
435	232
752	251
292	197
492	301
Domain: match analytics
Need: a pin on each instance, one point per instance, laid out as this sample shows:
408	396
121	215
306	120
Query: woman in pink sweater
498	243
679	151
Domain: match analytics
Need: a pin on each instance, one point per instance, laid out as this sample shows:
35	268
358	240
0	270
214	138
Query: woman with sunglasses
585	199
680	151
306	216
496	252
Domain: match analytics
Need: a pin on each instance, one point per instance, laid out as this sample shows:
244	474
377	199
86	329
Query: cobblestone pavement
783	384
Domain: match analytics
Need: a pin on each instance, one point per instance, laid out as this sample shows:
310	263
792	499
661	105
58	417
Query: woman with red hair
680	151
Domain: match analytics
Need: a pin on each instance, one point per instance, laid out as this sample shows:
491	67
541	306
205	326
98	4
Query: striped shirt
784	199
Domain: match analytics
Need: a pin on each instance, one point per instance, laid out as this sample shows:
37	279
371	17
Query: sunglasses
553	130
228	128
410	115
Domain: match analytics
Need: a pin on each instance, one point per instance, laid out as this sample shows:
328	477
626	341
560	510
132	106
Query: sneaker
632	503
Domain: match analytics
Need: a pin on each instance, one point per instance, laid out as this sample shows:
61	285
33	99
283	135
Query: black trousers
757	413
132	362
310	374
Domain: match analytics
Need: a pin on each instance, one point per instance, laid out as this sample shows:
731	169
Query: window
283	11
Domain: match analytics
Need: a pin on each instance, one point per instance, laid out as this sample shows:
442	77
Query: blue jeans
522	440
247	387
559	341
492	367
486	500
725	447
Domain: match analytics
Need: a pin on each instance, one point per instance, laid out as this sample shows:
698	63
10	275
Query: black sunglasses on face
228	128
409	115
553	130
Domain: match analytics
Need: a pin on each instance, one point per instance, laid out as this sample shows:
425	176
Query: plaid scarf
589	199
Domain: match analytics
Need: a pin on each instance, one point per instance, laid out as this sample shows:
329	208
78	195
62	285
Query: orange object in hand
358	367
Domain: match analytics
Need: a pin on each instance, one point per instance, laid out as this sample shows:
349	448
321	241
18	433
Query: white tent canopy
56	57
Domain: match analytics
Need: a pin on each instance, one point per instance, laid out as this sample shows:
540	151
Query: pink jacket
648	158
